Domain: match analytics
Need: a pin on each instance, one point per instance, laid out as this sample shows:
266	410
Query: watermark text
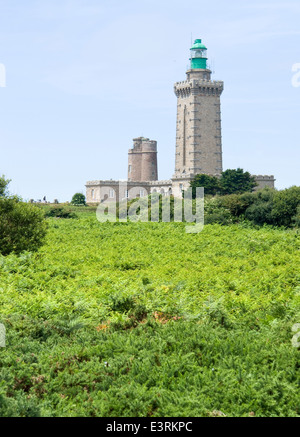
2	76
189	208
296	337
296	76
2	335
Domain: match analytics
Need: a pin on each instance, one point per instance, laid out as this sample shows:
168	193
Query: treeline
231	181
230	199
266	206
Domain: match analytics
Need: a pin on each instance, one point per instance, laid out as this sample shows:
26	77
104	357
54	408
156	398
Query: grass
143	319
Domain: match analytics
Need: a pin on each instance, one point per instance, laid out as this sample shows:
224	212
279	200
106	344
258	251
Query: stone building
142	160
198	141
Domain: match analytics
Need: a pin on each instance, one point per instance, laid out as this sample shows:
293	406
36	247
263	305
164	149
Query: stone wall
116	191
264	181
99	191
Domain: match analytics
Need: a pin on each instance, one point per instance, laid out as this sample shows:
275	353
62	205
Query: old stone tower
142	160
198	128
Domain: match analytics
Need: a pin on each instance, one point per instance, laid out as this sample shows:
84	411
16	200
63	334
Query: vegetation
3	186
285	206
231	181
143	319
78	199
60	212
263	207
236	181
22	225
267	206
211	184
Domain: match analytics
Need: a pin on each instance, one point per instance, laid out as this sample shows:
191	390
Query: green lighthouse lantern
198	55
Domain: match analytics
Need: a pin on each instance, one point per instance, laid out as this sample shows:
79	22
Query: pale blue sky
84	77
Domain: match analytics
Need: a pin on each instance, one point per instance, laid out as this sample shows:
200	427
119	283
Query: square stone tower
198	130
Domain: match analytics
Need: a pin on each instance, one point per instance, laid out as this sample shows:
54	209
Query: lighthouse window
129	169
92	193
111	194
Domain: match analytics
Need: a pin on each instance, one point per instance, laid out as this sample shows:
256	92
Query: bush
260	213
3	186
58	211
220	217
237	203
78	199
266	206
260	209
296	218
231	181
143	207
210	184
285	205
22	226
215	212
236	181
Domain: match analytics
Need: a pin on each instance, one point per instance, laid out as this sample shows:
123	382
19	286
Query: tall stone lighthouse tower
198	130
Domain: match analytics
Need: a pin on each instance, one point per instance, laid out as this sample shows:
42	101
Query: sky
85	77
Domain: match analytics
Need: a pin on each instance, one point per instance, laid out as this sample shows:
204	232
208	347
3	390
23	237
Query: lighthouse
198	142
198	123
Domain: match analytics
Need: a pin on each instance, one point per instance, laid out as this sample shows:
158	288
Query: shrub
214	212
210	184
236	181
78	199
221	217
260	213
231	181
266	194
285	205
143	207
22	226
260	210
296	218
237	203
3	186
58	211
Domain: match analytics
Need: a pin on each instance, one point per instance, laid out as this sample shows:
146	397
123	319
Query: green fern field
146	320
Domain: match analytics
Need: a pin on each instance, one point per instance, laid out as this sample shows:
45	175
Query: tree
3	186
296	218
236	181
22	226
285	205
78	199
210	184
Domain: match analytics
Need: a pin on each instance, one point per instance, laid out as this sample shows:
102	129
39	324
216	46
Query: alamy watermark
2	335
296	76
2	76
295	341
159	208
